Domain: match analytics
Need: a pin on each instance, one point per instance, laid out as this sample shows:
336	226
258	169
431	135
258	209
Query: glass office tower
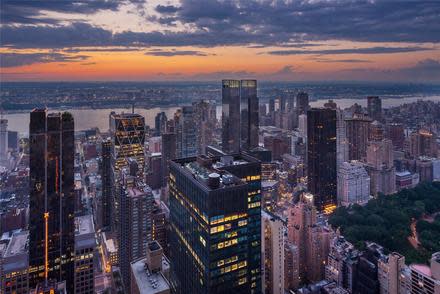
215	230
52	204
231	116
321	157
248	114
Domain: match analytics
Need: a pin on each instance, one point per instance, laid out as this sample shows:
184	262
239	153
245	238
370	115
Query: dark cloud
29	11
170	53
20	59
255	23
325	60
165	9
371	50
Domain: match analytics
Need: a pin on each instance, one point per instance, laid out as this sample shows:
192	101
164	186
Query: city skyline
210	40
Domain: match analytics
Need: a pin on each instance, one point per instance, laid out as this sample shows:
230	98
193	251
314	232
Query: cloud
324	60
29	12
288	69
165	9
174	52
212	23
370	50
21	59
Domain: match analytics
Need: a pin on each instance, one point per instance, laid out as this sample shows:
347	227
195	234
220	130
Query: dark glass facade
321	157
302	103
215	226
231	116
248	114
107	178
51	216
374	107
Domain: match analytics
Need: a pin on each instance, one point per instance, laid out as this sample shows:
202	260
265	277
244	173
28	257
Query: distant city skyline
211	40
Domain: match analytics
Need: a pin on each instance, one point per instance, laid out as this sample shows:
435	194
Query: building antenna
132	104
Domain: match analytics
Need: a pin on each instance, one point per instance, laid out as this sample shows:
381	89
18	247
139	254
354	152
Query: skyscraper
374	107
273	250
128	138
321	157
3	139
160	123
231	116
214	240
205	123
186	132
302	103
85	246
248	114
108	181
357	129
169	152
128	135
136	205
51	215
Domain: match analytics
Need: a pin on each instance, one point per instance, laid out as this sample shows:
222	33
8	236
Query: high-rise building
367	280
169	152
423	143
273	253
107	182
136	204
396	134
380	167
374	107
128	136
52	203
302	103
186	132
215	218
248	114
3	139
205	121
341	263
391	274
271	106
239	109
85	247
426	279
14	262
300	219
302	126
13	140
321	157
291	266
353	184
159	225
160	123
231	116
342	142
357	129
377	131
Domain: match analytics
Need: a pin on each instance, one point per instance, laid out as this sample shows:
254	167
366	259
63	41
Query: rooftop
18	244
147	282
84	225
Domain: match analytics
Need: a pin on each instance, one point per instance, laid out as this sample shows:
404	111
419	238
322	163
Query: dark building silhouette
374	107
215	216
108	182
249	114
302	103
231	116
52	203
321	157
169	152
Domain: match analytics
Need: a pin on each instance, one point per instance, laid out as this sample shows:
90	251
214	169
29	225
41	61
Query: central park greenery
387	220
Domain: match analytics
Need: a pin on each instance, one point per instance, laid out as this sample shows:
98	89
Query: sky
207	40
